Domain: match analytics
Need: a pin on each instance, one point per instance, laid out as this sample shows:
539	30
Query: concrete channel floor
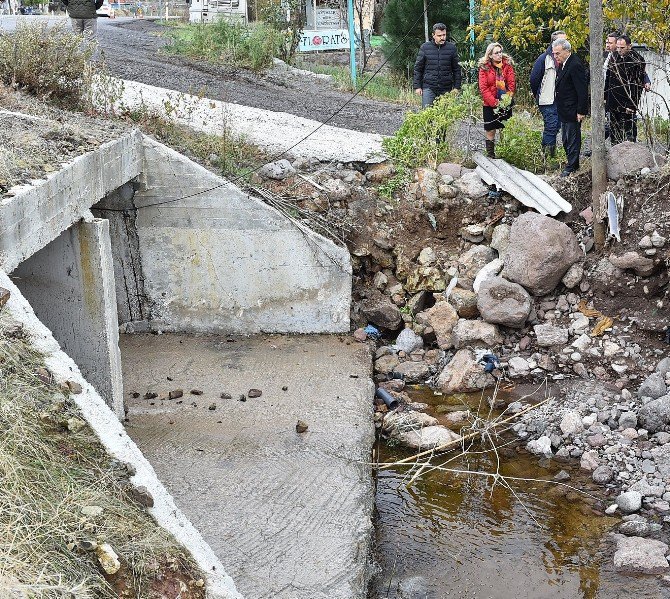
288	514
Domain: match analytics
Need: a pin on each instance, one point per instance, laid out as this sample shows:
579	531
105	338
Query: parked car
30	10
106	11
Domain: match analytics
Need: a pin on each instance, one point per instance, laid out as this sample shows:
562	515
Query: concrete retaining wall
70	285
36	215
221	261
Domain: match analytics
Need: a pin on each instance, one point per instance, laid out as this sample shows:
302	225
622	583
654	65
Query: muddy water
451	535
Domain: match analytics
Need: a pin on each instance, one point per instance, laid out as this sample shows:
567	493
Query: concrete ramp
288	514
529	189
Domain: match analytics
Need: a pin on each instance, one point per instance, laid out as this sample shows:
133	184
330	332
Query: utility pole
598	170
425	19
352	43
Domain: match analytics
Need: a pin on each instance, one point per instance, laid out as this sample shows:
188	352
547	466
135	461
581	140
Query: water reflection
453	535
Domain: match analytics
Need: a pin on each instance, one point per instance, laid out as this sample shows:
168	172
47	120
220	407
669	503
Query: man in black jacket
623	89
436	70
83	16
571	101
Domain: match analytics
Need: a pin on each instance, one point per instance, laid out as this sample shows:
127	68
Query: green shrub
228	43
47	62
428	137
521	144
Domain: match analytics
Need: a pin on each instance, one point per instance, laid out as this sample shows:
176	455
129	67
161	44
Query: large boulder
655	415
653	386
636	554
540	252
471	262
629	157
442	317
464	374
475	332
381	311
503	302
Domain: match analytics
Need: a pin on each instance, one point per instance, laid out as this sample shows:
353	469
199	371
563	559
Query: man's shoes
587	153
566	173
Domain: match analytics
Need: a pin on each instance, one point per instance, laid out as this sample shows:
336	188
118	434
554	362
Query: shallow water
455	535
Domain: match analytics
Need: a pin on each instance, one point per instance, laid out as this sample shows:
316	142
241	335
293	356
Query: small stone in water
301	426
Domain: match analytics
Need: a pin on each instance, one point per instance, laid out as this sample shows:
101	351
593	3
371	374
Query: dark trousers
622	127
572	143
429	96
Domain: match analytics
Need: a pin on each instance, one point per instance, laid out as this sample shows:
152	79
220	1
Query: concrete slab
288	514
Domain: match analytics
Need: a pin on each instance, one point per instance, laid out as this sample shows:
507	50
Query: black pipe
390	401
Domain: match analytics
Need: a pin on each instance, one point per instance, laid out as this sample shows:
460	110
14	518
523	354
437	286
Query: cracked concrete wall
216	260
70	285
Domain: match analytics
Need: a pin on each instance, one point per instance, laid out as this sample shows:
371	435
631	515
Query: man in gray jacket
543	85
83	16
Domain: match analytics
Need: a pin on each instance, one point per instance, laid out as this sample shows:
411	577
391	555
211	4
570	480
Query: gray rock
337	189
549	335
502	302
633	261
381	311
639	528
602	475
464	374
442	317
574	276
655	414
589	461
500	238
278	170
428	181
468	332
653	386
518	366
663	366
629	502
471	262
471	186
661	456
386	364
628	420
636	554
540	251
541	447
408	341
628	157
414	587
571	423
413	372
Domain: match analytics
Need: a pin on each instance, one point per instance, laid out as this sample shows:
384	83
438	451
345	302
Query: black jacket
82	9
624	82
572	97
437	67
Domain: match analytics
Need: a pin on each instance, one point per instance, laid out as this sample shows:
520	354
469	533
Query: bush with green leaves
428	137
521	144
228	43
49	62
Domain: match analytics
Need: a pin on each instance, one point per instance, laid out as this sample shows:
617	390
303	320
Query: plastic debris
372	331
614	212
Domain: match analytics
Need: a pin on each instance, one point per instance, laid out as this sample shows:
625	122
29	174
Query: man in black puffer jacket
436	70
83	16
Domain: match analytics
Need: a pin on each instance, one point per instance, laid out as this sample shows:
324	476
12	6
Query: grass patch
252	47
52	466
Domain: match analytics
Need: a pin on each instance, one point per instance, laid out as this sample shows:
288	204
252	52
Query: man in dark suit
572	101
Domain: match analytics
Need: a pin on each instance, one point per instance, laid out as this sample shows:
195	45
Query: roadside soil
136	50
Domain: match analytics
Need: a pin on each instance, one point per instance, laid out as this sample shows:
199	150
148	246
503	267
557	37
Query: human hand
580	117
418	91
647	87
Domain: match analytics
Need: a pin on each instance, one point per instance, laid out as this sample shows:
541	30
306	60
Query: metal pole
352	42
425	19
472	30
598	169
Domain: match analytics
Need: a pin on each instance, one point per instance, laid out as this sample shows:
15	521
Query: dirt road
134	51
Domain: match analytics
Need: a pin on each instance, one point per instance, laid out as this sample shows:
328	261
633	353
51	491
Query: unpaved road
135	50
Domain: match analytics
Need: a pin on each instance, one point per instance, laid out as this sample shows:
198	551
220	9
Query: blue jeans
552	123
429	96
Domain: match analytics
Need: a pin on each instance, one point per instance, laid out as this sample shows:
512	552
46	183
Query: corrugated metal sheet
526	187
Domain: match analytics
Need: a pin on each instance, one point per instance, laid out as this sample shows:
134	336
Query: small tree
403	27
287	17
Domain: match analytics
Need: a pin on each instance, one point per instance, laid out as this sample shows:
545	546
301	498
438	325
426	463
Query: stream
458	535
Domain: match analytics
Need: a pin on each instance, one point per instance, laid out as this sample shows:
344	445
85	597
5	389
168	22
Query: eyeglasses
497	52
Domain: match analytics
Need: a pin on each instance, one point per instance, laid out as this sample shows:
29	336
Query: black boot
490	148
552	151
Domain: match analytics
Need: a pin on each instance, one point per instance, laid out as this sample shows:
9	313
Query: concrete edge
118	444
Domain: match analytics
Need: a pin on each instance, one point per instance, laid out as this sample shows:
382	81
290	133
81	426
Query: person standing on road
543	86
83	16
572	101
436	70
497	84
623	90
